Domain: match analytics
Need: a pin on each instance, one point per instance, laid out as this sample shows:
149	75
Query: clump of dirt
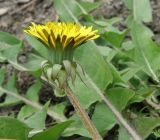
21	13
47	94
114	8
24	81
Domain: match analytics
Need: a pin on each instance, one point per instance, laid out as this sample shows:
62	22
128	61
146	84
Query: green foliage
123	135
143	45
137	6
103	118
119	97
25	112
11	128
32	93
73	9
38	46
37	120
146	122
9	49
115	38
11	86
122	64
52	133
76	128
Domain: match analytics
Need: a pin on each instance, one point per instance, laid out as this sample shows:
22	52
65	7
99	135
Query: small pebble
4	10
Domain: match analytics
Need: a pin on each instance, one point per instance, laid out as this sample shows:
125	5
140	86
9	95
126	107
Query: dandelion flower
61	38
63	34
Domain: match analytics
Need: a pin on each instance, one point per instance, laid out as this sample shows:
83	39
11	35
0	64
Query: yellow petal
66	33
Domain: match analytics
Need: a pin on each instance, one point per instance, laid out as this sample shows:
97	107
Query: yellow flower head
63	34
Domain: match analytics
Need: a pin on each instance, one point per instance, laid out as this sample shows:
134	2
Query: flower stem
82	114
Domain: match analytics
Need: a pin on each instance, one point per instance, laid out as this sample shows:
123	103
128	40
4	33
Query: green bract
56	75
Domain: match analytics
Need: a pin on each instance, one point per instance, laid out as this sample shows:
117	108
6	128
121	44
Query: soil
22	12
17	14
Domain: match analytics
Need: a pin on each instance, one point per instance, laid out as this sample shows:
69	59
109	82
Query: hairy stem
52	114
116	113
83	115
152	104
